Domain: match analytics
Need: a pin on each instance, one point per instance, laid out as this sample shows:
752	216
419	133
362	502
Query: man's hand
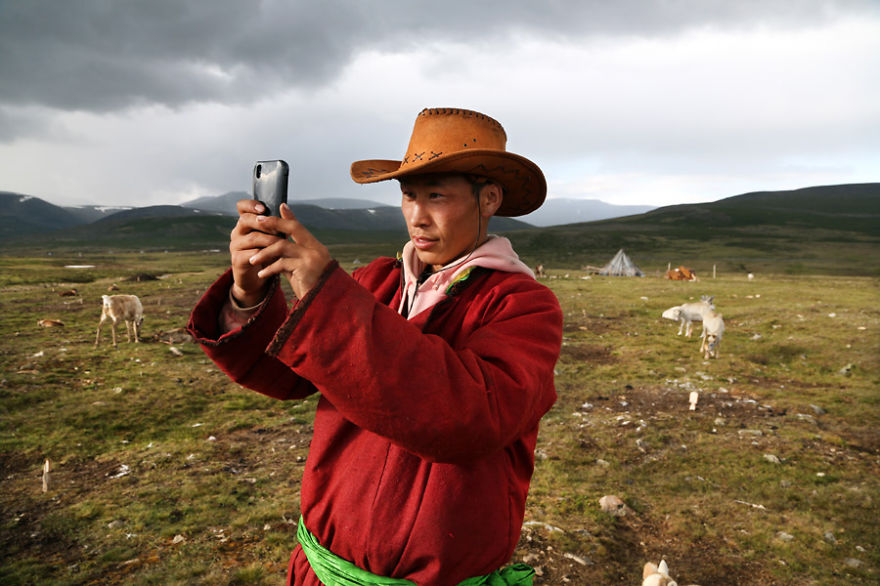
301	259
248	287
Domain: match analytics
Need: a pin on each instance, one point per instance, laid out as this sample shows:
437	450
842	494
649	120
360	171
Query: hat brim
524	185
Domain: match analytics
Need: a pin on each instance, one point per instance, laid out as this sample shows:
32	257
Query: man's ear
491	197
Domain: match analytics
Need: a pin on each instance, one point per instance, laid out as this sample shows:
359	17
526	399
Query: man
433	370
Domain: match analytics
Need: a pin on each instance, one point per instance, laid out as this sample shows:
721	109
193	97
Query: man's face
442	217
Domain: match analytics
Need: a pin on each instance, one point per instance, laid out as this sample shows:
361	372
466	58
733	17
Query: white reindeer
656	575
689	313
710	337
127	308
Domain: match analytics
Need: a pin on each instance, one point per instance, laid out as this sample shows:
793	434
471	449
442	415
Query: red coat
425	432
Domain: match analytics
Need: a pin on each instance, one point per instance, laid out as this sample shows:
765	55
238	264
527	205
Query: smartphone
270	185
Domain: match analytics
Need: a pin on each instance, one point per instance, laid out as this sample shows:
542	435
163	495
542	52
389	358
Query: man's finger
249	206
252	239
297	231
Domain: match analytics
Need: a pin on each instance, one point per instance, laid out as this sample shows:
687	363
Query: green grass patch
164	471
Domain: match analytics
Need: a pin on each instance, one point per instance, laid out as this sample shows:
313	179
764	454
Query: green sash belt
332	570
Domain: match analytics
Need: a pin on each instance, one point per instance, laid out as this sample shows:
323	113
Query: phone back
270	184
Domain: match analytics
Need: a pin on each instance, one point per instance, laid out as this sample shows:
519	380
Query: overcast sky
124	102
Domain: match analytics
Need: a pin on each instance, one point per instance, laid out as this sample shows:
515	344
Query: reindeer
689	313
656	575
127	308
710	337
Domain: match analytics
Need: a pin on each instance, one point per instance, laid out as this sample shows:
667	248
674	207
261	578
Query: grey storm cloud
102	55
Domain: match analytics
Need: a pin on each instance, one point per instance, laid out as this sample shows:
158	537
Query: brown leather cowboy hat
454	140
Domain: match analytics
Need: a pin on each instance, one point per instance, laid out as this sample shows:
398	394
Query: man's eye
436	195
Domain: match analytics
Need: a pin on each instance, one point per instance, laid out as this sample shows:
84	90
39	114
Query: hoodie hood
495	253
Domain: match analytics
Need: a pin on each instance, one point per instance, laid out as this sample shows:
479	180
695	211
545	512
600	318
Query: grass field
164	472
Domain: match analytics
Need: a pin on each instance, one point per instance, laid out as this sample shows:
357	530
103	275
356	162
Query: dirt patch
587	353
592	324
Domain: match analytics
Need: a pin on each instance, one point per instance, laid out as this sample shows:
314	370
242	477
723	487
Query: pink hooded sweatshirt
496	253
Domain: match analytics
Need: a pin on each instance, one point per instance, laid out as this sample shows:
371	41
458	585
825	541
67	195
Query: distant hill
833	226
29	219
226	202
560	211
165	211
831	229
555	211
850	208
24	214
93	213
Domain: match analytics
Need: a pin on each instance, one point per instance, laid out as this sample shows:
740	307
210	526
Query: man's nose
416	214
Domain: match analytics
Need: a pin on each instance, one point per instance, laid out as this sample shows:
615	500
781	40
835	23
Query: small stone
750	433
829	537
853	563
613	505
785	536
178	539
576	559
772	459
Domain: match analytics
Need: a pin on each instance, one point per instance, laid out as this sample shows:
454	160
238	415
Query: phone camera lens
259	170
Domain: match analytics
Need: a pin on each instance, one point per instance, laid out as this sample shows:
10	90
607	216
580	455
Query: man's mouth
422	242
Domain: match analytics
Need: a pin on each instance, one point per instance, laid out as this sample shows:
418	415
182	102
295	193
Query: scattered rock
613	505
543	525
749	432
783	536
123	470
577	559
178	539
772	459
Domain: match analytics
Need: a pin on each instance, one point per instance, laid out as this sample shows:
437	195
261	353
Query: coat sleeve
447	401
240	353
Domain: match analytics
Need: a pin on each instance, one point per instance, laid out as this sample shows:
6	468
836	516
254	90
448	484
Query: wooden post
713	271
46	475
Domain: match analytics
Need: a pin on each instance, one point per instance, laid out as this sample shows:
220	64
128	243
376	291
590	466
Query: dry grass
165	472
